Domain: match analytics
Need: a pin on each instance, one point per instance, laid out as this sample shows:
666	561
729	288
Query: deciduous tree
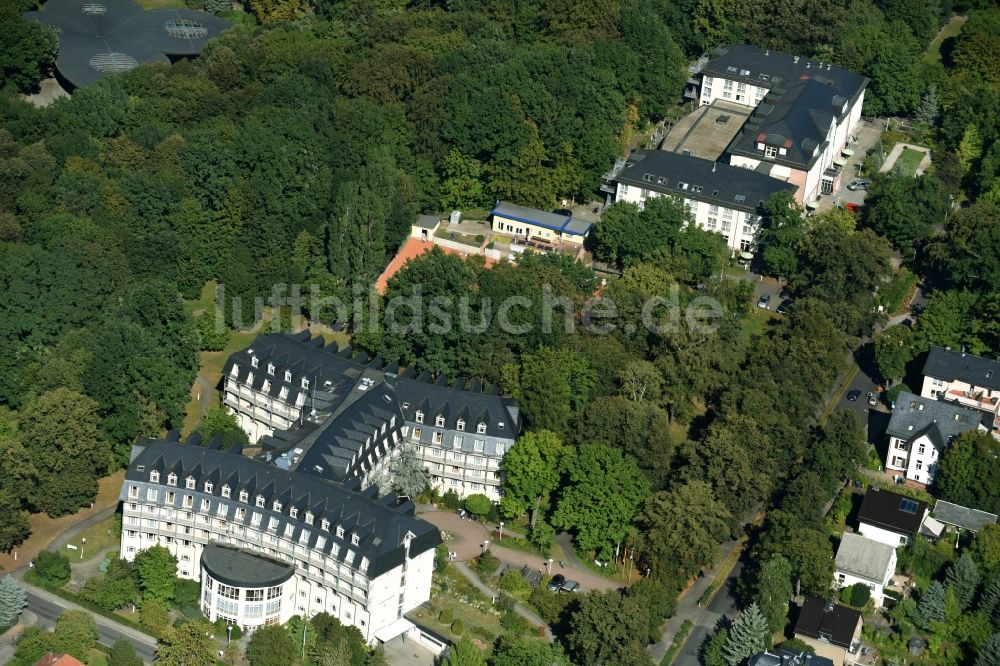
156	568
531	473
190	645
271	646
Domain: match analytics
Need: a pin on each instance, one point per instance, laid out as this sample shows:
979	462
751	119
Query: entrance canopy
390	631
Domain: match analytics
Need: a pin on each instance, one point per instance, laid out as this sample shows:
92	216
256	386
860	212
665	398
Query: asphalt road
47	611
724	604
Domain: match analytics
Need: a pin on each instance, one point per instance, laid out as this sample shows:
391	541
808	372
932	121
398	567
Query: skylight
908	506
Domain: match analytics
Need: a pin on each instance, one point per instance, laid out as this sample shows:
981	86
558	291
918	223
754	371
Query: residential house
920	429
268	543
890	518
533	225
58	659
970	381
863	560
961	517
721	197
805	113
337	414
782	657
834	631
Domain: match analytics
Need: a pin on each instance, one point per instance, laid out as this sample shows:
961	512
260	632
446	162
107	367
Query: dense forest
299	148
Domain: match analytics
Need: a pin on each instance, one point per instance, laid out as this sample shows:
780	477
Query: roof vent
795	59
113	62
828	607
94	9
920	408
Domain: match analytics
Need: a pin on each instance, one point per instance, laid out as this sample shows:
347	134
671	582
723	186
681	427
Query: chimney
828	607
829	67
795	59
767	52
808	65
713	166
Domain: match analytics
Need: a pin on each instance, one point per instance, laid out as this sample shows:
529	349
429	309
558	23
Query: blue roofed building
533	225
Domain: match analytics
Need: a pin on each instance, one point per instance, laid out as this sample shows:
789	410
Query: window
457	442
305	383
920	449
270	368
171	479
499	449
770	151
747	230
325	524
288	376
154	476
189	483
244	496
712	223
340	532
293	512
254	361
418	416
226	492
151	494
727	225
479	445
276	506
208	486
437	438
309	518
416	434
234	371
460	425
919	465
481	428
355	539
204	505
439	421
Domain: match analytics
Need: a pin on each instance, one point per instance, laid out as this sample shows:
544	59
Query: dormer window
309	518
189	483
276	506
460	425
340	532
244	496
226	491
208	486
288	376
325	524
770	151
481	428
293	512
171	479
305	383
266	388
234	371
254	361
260	500
270	368
154	476
283	394
439	421
355	539
418	416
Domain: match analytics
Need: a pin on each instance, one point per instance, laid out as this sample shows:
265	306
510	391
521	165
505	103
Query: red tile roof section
413	248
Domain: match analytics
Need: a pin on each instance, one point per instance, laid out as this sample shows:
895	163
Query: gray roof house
865	558
913	416
950	365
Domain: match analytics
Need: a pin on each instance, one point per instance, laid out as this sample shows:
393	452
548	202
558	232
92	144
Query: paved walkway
469	537
490	592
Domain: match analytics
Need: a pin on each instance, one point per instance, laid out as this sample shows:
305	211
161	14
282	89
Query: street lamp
229	633
486	545
549	565
501	531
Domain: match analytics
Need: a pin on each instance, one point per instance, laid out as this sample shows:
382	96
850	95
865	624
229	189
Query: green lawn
933	52
755	322
204	300
908	161
99	536
97	658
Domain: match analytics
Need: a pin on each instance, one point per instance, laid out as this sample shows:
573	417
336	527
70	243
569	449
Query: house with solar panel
337	414
890	518
268	543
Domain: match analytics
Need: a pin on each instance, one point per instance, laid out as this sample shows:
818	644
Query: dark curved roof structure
242	568
106	36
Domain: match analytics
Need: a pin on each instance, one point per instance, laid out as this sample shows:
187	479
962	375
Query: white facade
882	535
246	607
185	520
862	560
963	393
740	228
747	94
916	461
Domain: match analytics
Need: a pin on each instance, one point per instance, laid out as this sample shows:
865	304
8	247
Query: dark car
570	586
556	582
764	302
783	306
853	395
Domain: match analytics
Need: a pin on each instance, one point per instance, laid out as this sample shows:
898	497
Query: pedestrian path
490	592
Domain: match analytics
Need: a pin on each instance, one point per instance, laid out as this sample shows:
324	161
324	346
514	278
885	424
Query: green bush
458	627
798	645
486	564
515	624
543	535
186	592
441	558
478	504
860	594
52	568
446	616
451	500
550	605
512	581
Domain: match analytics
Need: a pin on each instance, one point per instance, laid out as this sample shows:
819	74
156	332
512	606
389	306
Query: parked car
872	398
764	302
853	395
852	207
783	306
860	184
570	586
556	582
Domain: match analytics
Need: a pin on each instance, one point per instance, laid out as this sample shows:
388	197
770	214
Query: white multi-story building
268	543
336	414
919	431
722	198
971	381
805	113
864	560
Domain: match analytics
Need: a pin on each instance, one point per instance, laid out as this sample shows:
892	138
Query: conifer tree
12	601
931	605
989	654
749	635
963	578
990	601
